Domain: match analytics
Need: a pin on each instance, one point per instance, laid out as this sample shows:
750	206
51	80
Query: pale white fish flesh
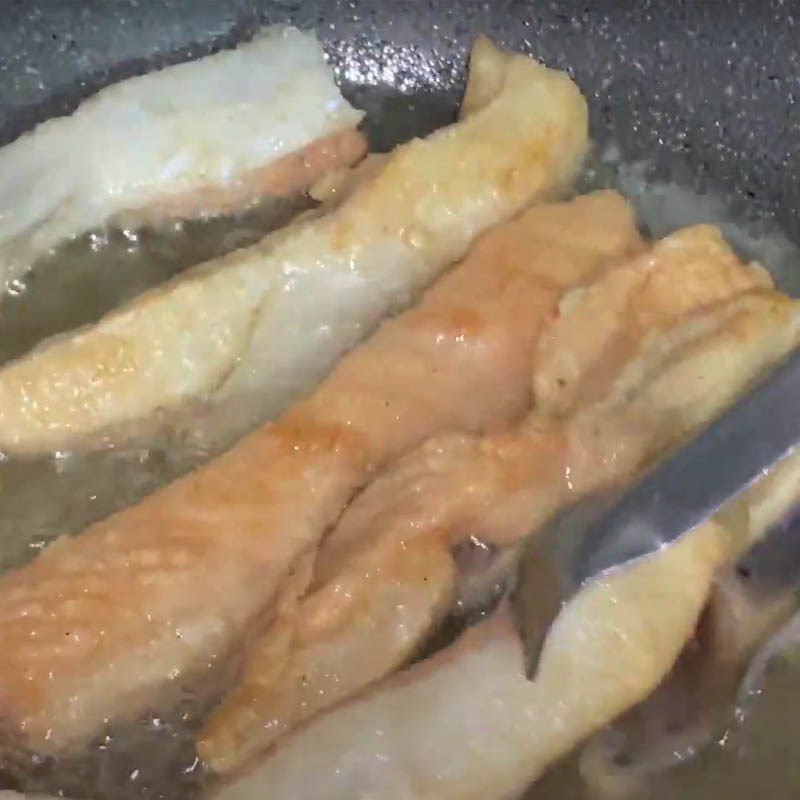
268	321
467	725
197	138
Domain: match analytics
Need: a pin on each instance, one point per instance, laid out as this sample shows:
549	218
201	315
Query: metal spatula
612	529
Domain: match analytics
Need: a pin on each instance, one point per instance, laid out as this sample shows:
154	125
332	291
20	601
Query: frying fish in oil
197	139
438	365
496	487
423	732
265	322
468	418
288	481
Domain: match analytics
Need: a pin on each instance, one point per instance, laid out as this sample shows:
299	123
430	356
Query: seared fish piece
646	316
591	413
200	138
268	321
466	724
507	288
101	623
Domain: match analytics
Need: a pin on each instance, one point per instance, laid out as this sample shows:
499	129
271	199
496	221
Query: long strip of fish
497	487
590	383
99	623
268	321
466	724
199	138
499	297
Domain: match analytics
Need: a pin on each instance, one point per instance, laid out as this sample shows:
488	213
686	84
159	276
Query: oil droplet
16	287
415	236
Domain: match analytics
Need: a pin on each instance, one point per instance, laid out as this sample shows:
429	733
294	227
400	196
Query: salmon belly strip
100	623
467	724
468	360
692	328
200	138
624	330
265	323
596	413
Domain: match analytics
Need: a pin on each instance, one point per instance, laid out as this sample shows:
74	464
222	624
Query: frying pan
709	91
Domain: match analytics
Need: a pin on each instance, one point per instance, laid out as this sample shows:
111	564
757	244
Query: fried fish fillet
268	321
466	723
690	291
199	138
100	623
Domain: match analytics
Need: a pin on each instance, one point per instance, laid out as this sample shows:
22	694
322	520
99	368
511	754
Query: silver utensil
610	529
